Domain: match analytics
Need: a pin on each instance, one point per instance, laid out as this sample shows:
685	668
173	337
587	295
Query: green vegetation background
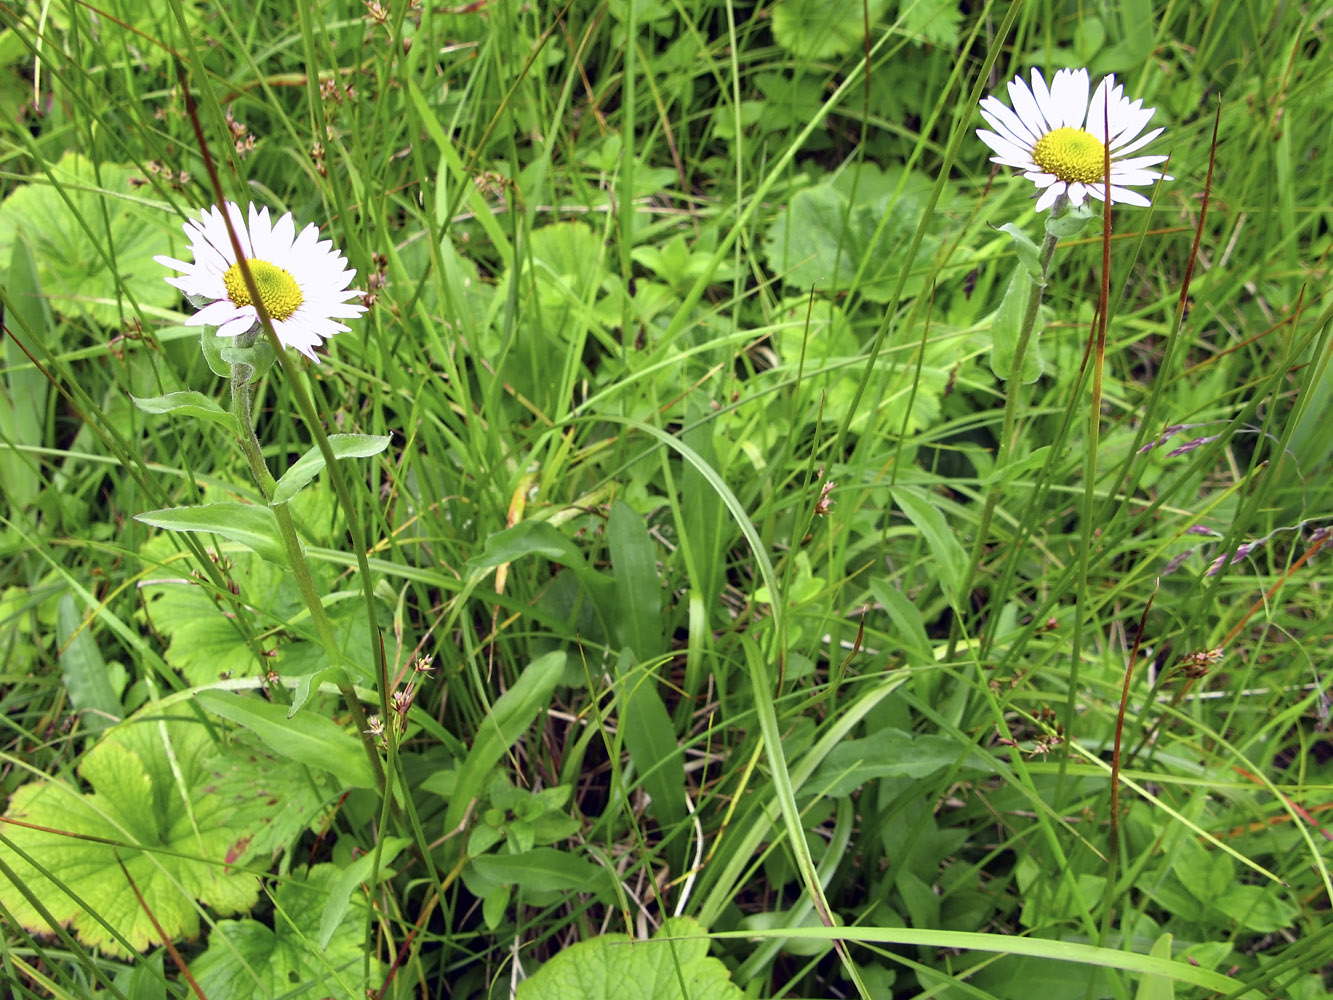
651	280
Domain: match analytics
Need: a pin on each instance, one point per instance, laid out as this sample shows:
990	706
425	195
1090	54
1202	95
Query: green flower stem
242	399
1013	394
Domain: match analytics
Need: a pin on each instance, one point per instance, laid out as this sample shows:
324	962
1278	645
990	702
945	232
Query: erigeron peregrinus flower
1058	137
301	279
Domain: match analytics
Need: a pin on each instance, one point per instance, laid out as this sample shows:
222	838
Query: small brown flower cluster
133	332
379	14
377	279
1052	736
1198	663
825	502
494	185
334	92
177	179
224	565
400	702
240	135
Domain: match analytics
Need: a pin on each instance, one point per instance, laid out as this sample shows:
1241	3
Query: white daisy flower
301	279
1058	138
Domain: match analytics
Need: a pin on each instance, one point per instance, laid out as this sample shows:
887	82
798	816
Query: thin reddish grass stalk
165	937
192	112
1273	821
1271	591
1203	214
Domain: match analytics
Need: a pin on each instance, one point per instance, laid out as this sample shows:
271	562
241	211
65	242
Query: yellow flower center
1072	154
277	288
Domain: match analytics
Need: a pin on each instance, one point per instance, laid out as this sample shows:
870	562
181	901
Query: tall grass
620	391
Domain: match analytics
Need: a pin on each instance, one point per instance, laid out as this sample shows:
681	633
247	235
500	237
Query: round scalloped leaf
862	221
65	237
117	32
612	967
150	820
248	958
821	29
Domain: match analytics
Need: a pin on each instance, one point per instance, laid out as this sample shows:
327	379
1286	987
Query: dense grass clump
736	521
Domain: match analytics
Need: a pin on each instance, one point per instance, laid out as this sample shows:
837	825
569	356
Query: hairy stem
242	403
1013	394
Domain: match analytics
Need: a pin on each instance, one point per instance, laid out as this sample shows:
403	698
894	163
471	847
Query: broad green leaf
348	883
1205	874
24	389
544	869
950	560
909	627
543	539
768	920
136	20
247	524
559	279
189	403
890	753
673	965
87	676
919	899
24	637
910	396
1071	222
311	464
207	635
1158	987
1029	254
145	980
247	958
221	353
821	29
1006	326
74	242
12	49
1007	473
1136	41
1043	902
454	280
206	643
567	262
273	800
830	231
650	738
151	798
510	716
311	739
1089	36
934	21
638	587
527	538
494	903
308	684
1257	908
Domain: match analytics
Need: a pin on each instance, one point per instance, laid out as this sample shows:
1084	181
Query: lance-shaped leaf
312	463
249	524
311	739
189	403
